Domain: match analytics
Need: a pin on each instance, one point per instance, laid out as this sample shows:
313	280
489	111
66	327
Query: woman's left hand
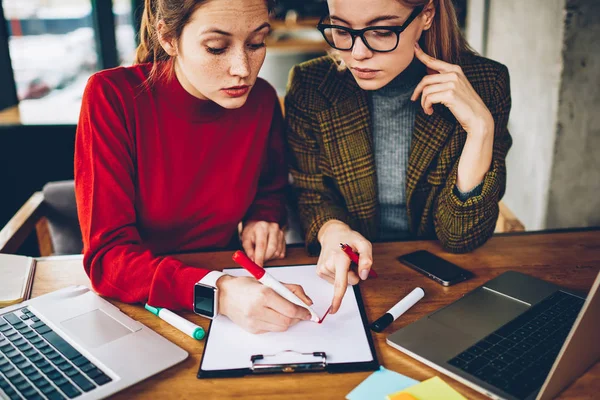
263	241
451	88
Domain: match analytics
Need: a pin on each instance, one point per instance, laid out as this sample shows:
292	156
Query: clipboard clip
302	362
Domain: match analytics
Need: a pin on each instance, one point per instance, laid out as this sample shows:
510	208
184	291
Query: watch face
204	301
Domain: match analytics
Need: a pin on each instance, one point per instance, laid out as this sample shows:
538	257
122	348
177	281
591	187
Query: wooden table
570	259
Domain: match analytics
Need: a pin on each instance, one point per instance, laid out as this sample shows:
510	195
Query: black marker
400	308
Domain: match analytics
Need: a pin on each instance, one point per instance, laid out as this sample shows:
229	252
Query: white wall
574	198
476	24
527	37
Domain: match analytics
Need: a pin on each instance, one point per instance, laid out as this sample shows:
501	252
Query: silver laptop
515	337
73	344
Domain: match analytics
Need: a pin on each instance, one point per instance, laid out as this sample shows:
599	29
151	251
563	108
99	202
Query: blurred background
49	48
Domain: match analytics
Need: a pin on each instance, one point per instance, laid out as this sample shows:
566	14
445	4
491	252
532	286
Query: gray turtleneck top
393	118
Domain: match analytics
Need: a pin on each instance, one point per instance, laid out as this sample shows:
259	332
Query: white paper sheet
341	336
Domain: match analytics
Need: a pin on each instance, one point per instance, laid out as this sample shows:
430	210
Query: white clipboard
342	343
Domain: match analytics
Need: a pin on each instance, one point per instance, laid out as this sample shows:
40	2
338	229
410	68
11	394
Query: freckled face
222	49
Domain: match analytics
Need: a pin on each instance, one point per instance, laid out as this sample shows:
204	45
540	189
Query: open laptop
73	344
515	337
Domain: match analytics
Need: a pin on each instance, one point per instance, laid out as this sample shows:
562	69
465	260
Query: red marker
354	257
266	279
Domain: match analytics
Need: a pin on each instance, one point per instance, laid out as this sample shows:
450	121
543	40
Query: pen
397	310
266	279
354	257
178	322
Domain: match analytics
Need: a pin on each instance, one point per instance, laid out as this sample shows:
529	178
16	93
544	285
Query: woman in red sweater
172	153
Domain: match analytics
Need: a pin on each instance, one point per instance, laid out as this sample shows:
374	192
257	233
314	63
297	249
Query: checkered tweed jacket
333	166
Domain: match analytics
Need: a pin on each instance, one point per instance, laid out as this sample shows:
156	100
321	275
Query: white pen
397	310
185	326
266	279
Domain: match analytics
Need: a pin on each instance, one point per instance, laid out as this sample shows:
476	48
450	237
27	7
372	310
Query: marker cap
198	333
242	259
153	310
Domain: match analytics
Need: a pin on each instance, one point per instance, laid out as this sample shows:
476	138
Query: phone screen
431	264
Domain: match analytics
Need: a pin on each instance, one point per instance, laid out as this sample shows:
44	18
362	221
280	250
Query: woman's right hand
257	308
334	264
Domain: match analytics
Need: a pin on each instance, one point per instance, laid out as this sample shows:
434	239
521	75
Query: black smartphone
436	268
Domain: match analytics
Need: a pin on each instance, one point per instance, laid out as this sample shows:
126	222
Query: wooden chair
29	217
507	221
40	215
52	213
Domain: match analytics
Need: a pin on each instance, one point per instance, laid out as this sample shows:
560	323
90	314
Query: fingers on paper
340	284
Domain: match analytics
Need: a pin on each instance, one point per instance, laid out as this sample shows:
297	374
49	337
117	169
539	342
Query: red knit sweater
159	171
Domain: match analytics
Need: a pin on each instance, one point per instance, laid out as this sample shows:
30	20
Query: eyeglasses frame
354	33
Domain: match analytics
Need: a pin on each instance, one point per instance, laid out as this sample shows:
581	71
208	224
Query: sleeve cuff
464	196
487	190
268	210
313	246
173	288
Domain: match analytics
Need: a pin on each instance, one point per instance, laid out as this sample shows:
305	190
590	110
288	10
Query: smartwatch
206	295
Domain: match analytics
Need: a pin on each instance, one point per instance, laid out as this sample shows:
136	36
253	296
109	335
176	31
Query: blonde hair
444	39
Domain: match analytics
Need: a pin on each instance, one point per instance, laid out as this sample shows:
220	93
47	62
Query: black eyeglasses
382	39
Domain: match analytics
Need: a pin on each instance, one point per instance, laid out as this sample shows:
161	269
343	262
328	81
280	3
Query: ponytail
149	49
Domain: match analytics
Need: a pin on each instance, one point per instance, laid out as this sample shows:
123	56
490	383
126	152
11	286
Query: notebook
16	278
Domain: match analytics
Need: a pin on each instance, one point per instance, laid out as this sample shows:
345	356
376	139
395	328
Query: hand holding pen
334	264
266	279
258	309
290	295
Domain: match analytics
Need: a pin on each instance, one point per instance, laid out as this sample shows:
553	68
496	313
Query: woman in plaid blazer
455	173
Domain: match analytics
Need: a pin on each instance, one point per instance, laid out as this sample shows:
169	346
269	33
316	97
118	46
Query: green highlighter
178	322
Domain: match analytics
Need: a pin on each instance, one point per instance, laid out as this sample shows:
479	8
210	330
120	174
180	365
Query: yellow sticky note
431	389
401	396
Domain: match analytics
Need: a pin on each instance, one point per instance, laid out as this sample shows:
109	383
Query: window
53	52
54	46
124	31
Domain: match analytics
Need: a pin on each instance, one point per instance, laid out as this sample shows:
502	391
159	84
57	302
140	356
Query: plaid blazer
333	166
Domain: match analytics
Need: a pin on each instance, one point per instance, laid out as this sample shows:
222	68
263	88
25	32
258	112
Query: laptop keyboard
517	357
36	363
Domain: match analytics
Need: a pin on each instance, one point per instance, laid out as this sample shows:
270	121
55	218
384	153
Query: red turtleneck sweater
159	171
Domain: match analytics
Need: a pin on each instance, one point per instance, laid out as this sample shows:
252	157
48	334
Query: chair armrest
22	224
507	221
